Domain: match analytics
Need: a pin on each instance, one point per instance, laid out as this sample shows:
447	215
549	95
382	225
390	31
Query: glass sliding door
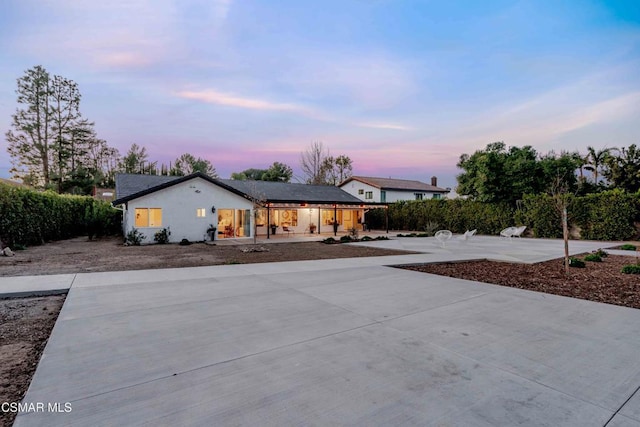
234	223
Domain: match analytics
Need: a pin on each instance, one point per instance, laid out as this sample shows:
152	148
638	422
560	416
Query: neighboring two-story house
389	190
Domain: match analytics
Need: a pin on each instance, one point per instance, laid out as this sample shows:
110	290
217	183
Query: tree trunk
565	236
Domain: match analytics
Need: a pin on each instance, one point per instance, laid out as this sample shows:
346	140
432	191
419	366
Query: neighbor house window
437	196
361	191
201	213
148	217
419	196
368	195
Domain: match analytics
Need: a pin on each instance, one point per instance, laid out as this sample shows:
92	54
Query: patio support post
319	215
335	219
268	220
386	211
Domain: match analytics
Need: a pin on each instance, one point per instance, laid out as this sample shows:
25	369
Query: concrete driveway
337	342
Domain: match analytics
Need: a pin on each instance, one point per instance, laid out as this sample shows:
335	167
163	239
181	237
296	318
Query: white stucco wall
353	188
179	204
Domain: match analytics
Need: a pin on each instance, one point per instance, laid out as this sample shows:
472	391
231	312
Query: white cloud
214	97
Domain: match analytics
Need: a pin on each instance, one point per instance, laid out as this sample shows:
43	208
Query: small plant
211	231
353	233
628	247
329	240
19	247
134	238
184	242
382	238
576	263
431	227
593	258
631	269
399	235
602	253
366	239
345	239
162	236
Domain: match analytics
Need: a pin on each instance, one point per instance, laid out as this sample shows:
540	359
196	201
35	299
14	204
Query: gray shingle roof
131	186
396	184
293	193
128	184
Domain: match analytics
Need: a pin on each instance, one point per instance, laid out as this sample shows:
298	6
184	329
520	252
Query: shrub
431	227
575	262
628	247
631	269
366	239
329	240
28	217
593	258
345	239
162	236
353	233
602	253
184	242
134	238
382	238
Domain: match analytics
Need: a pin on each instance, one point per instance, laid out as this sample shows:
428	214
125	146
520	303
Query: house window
368	195
437	196
148	217
419	196
286	217
361	191
201	213
383	196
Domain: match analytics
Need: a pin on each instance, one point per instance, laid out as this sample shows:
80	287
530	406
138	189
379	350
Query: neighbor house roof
396	184
131	186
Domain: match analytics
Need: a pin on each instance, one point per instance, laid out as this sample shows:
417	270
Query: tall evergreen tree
29	140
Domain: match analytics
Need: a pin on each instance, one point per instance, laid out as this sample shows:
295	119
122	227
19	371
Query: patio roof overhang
321	205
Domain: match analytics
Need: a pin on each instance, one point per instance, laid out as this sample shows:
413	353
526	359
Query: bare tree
312	163
562	199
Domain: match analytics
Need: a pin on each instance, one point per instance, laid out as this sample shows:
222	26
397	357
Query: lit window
148	217
200	213
368	195
361	191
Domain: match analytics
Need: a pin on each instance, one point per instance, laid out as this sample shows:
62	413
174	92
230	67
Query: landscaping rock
7	251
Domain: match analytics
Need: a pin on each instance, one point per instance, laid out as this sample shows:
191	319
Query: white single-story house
389	190
190	206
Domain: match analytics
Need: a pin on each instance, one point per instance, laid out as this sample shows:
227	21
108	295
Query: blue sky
401	87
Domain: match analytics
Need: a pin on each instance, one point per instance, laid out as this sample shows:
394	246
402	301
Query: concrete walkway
338	342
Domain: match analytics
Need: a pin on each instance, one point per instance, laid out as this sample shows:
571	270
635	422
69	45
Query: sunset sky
401	87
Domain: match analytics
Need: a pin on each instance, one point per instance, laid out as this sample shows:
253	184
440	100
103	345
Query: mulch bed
598	281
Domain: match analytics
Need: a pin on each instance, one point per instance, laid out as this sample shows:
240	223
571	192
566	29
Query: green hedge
608	215
456	215
28	217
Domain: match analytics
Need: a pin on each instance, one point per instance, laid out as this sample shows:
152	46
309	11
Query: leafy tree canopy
279	172
500	174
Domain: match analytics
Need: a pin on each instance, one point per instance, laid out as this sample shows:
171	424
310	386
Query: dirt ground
598	281
81	255
25	325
